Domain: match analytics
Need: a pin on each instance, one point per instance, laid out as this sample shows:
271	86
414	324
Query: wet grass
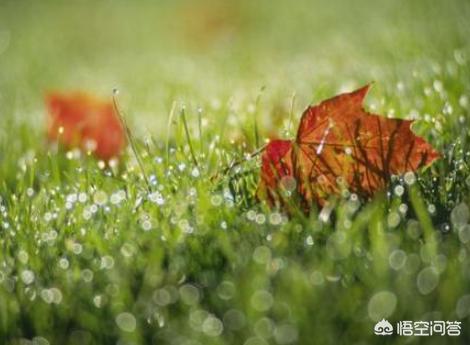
90	255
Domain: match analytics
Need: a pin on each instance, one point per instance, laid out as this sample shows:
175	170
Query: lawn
167	245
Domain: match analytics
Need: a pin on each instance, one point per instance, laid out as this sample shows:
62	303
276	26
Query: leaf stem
131	140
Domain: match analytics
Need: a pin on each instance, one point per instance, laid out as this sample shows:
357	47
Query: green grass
89	256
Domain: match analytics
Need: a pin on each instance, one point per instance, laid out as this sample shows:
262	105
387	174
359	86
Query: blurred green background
199	51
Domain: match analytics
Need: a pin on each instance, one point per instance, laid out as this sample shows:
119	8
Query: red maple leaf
341	146
81	120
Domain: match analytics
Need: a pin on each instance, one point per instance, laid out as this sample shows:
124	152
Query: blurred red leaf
81	120
341	146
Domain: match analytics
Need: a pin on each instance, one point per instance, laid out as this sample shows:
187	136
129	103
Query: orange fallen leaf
341	146
81	120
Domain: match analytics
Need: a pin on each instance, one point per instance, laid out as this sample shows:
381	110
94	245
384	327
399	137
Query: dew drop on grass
275	218
117	197
47	216
431	209
46	295
216	200
82	197
460	215
23	256
403	208
381	305
413	229
87	275
212	326
128	250
189	294
463	101
264	327
463	307
126	322
107	262
438	86
251	215
409	178
393	219
260	218
234	319
100	198
98	301
64	263
309	240
262	255
397	259
325	213
288	183
195	173
399	190
286	334
77	248
427	280
464	233
56	295
162	297
262	300
27	277
196	318
226	290
439	263
157	198
146	225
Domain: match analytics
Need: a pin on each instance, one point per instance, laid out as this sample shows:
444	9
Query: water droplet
189	294
463	307
264	327
262	300
234	319
393	219
460	215
212	326
286	334
397	259
262	255
100	198
382	305
195	173
399	190
409	178
146	225
162	297
275	218
288	183
107	262
464	234
27	277
427	280
126	322
226	290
